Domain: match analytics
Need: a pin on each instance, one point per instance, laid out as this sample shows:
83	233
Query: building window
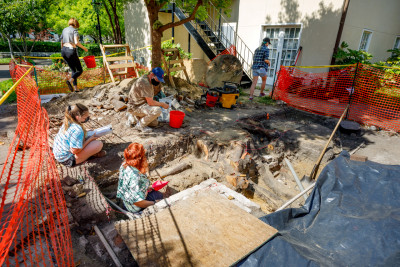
365	40
397	43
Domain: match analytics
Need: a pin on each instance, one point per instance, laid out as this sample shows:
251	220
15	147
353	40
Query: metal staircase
214	35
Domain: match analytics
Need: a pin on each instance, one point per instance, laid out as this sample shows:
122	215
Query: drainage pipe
296	197
128	214
295	177
107	246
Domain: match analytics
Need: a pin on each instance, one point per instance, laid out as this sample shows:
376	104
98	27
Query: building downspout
346	4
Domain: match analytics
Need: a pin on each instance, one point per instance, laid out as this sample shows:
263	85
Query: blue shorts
262	72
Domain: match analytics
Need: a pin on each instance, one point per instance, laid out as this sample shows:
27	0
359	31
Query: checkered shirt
260	55
65	140
132	187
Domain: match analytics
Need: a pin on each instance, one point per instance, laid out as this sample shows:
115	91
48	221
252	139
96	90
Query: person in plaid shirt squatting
260	66
134	189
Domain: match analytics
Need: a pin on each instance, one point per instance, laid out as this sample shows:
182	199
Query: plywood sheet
205	229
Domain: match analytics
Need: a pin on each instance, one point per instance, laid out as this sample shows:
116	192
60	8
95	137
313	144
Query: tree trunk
111	20
156	51
10	46
156	34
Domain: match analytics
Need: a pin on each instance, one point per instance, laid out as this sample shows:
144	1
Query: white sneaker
141	128
131	120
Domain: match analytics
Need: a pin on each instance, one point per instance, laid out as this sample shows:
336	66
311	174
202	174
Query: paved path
4	73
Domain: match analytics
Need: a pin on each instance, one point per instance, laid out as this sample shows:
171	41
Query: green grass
5	60
265	100
4	87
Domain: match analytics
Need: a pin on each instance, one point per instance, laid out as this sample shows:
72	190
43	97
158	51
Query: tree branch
178	23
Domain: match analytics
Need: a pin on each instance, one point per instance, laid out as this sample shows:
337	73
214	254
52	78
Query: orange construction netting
373	93
34	228
231	50
53	81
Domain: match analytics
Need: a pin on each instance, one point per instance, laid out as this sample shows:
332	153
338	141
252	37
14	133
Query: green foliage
56	60
4	61
84	12
21	17
4	87
93	49
345	55
392	61
39	46
169	44
266	100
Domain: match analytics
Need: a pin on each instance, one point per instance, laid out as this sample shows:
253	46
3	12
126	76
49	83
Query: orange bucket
90	61
176	118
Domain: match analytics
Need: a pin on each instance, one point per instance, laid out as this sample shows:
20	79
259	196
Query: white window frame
368	41
395	41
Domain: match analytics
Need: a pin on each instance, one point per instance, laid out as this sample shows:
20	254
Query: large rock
224	68
196	69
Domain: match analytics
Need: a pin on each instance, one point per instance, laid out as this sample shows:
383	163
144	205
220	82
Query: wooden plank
121	73
170	49
175	61
205	229
119	58
115	45
177	68
121	66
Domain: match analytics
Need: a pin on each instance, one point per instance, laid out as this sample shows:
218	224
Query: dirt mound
104	92
183	87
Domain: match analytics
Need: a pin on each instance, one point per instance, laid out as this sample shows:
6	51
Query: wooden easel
176	58
125	64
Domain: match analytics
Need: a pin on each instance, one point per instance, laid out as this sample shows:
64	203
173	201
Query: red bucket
90	61
176	118
211	100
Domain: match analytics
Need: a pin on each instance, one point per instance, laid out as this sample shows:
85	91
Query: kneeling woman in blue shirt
70	146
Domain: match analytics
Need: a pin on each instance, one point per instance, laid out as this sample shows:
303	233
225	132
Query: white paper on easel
100	131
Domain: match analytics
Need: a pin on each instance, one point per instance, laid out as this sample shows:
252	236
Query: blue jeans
262	72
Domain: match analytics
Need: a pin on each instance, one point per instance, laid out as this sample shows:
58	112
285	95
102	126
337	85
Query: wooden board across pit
205	229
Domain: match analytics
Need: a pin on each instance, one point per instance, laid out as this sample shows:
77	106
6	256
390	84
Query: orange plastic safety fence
54	82
34	229
231	50
373	94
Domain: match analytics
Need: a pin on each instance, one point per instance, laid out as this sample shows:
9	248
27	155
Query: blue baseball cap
159	73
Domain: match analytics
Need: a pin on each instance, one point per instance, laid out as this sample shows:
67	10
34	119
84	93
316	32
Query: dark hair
266	40
70	115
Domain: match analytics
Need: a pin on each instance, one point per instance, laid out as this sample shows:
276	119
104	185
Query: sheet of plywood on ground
205	229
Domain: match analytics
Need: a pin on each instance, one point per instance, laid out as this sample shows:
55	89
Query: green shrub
4	87
93	49
345	56
5	60
55	61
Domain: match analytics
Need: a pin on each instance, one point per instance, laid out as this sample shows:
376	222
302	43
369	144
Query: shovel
316	166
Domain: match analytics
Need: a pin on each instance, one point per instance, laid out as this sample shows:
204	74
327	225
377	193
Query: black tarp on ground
351	218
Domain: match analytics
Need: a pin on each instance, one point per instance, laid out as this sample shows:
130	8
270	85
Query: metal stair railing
219	35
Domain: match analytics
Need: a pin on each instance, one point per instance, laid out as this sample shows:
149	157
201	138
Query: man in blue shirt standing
260	66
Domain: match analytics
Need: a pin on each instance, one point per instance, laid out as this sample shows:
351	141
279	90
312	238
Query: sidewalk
4	73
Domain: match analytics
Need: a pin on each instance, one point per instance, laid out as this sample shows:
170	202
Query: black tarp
351	218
